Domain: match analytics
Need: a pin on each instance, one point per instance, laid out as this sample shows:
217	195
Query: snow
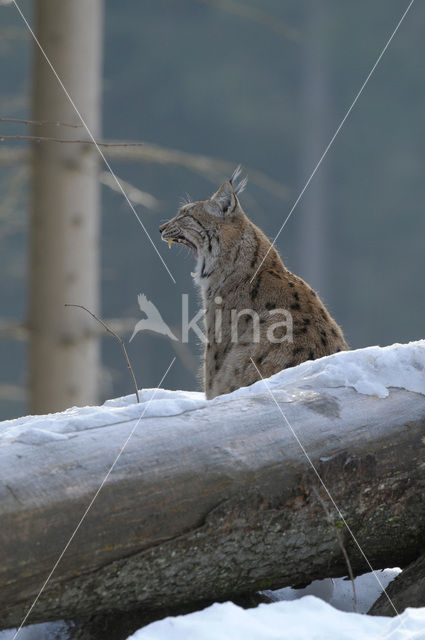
153	402
321	611
370	371
294	614
339	591
46	631
306	619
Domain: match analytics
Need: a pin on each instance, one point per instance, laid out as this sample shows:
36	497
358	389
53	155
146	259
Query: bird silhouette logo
153	321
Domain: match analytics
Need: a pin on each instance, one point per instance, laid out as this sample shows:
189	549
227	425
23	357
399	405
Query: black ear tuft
238	188
235	175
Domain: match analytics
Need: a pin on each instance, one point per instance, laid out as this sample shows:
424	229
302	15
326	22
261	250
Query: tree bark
407	590
210	503
64	260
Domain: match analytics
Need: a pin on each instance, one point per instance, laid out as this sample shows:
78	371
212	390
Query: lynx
245	290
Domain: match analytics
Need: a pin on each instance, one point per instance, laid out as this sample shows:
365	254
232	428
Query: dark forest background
264	84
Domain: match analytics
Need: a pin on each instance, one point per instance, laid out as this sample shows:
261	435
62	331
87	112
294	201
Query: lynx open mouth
182	240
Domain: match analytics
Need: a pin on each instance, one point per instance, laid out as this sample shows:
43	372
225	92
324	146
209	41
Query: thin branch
120	340
212	169
12	211
13	33
11	156
10	330
12	392
137	196
41	122
337	527
255	15
15	330
46	139
350	570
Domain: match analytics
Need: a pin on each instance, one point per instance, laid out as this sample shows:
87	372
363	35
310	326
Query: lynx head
209	227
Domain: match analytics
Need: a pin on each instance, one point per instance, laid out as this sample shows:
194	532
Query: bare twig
337	527
41	122
120	340
137	196
12	213
13	330
11	156
347	560
12	392
62	140
242	10
13	33
16	330
212	169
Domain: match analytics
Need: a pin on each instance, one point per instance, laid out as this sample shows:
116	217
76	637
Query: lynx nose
162	227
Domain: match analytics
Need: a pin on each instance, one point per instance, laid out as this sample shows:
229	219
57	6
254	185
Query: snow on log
213	499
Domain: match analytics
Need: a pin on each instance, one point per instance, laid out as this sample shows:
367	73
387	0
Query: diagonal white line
91	136
341	124
92	501
386	635
324	486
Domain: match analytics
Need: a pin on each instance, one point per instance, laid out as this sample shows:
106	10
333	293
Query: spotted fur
237	269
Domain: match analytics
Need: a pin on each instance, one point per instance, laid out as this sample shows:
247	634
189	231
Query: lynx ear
224	199
238	188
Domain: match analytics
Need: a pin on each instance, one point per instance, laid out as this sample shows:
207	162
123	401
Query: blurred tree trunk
313	225
64	252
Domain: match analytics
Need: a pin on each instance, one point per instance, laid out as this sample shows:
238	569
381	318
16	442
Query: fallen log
407	590
213	502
